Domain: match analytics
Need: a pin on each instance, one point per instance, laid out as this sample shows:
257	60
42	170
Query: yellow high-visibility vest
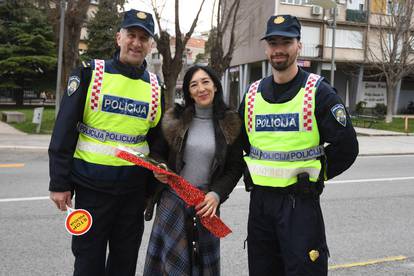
284	137
118	111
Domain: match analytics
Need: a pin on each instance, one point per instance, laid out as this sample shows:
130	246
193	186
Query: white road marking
242	187
370	180
358	180
23	199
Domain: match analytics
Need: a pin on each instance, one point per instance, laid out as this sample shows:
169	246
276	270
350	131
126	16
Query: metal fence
24	96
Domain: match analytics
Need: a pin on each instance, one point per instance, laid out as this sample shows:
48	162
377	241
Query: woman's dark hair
219	107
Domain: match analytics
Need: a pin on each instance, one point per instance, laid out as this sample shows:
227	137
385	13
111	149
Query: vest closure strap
290	156
103	135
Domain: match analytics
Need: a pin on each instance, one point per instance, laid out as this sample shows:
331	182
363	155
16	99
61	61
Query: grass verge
397	125
48	120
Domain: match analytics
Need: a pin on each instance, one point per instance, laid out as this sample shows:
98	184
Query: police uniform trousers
283	228
118	224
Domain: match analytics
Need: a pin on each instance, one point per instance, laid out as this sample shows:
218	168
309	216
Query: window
392	7
310	40
355	5
345	39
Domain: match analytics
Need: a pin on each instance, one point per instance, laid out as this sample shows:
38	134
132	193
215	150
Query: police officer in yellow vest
108	103
288	118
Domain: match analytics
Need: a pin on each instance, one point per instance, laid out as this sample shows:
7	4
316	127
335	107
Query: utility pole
334	9
60	55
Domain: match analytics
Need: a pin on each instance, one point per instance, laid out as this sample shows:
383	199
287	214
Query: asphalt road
368	210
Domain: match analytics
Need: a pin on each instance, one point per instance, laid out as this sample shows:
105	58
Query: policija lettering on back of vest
106	104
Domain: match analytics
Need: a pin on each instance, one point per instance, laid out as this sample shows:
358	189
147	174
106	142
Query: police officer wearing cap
108	103
289	117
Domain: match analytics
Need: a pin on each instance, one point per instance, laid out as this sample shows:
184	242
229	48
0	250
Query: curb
385	154
384	135
13	147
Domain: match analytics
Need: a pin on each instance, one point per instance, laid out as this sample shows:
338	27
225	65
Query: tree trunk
390	102
170	80
75	16
19	97
169	91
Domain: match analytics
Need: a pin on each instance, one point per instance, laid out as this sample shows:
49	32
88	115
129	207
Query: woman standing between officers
204	148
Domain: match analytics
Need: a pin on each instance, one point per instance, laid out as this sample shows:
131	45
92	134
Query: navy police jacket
67	172
342	148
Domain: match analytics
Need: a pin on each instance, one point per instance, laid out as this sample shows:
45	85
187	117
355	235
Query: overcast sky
188	11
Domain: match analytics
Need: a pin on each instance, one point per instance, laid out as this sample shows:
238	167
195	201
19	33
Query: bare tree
392	50
226	21
75	18
172	65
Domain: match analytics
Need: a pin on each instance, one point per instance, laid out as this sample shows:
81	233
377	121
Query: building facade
355	78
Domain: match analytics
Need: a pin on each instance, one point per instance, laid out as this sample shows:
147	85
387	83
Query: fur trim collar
174	128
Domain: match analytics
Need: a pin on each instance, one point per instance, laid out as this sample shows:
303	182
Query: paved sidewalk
371	141
11	138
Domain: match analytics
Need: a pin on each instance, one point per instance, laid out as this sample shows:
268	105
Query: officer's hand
61	199
209	206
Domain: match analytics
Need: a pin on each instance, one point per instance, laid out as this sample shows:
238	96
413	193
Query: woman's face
202	88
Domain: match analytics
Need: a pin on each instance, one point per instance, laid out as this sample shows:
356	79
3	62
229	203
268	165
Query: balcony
356	16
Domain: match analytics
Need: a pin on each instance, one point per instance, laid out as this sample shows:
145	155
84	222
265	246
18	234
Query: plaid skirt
170	247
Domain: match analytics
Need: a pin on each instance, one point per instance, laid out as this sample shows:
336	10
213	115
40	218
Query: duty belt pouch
303	186
306	188
247	179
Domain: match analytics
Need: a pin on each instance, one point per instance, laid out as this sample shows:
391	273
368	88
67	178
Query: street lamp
329	4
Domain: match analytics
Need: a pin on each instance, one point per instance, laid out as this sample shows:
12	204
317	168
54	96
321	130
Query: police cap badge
339	113
279	20
135	18
141	15
73	85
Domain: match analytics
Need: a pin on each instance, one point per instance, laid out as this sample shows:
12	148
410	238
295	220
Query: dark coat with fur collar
228	163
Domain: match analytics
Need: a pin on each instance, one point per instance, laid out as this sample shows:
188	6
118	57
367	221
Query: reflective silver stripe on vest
285	173
106	149
103	135
295	155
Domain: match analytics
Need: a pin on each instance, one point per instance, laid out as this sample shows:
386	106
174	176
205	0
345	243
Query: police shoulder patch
73	85
339	113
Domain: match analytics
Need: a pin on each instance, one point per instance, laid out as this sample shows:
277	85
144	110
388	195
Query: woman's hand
209	206
163	178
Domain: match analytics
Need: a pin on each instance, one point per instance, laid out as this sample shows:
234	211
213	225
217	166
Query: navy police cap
135	18
282	25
